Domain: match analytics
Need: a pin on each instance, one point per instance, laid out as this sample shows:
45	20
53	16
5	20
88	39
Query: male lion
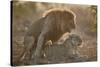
51	26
